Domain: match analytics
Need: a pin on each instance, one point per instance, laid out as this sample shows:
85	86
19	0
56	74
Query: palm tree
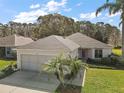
55	67
65	69
115	7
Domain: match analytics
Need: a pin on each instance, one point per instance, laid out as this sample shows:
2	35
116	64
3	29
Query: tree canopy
61	25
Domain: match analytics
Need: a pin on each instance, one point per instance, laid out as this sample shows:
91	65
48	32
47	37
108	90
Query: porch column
18	61
93	53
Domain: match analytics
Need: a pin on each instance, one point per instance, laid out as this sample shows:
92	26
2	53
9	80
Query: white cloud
67	9
113	15
78	4
75	19
89	16
35	6
55	6
49	7
29	17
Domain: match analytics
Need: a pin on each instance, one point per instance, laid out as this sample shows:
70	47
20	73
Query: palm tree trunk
123	38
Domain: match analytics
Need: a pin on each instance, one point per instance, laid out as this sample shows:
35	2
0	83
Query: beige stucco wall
90	53
79	53
106	52
74	53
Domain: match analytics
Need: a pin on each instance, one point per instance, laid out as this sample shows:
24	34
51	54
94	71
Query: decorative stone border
84	78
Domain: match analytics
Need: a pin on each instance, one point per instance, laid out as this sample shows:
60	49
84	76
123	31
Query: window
98	53
8	50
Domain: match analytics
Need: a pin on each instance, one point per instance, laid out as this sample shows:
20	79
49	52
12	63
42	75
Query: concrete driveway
28	82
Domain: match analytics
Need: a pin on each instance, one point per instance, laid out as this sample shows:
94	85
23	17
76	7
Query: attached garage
32	56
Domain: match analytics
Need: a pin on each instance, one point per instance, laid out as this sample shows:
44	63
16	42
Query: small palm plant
64	68
75	66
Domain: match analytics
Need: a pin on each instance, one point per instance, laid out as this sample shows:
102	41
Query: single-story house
33	55
89	47
9	43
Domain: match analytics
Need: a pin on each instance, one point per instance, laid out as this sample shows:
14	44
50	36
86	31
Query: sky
29	10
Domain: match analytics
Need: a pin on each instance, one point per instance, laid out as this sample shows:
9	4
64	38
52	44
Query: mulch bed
68	89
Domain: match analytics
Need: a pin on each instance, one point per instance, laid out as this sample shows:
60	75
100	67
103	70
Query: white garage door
34	62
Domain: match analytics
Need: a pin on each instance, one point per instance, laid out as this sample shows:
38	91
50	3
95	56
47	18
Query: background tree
61	25
56	24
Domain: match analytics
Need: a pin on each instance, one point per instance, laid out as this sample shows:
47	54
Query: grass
4	63
5	68
104	81
117	52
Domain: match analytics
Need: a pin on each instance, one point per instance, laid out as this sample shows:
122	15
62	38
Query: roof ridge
62	41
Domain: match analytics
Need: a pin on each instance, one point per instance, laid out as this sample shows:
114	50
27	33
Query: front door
83	53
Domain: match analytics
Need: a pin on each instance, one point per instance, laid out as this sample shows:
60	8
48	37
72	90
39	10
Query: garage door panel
34	62
28	62
43	60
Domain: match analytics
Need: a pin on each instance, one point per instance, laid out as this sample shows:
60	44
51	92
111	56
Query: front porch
85	53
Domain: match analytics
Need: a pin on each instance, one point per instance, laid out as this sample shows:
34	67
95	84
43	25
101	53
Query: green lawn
104	81
4	63
117	52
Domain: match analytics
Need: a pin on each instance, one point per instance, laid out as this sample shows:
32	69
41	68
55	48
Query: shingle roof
14	41
87	42
52	42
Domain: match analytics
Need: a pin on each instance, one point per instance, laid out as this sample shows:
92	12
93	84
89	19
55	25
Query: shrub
7	71
121	63
117	52
106	61
114	60
93	61
118	47
109	61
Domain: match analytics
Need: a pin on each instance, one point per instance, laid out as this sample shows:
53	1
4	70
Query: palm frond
108	6
48	68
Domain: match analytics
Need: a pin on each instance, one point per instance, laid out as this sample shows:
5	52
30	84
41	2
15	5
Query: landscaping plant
64	68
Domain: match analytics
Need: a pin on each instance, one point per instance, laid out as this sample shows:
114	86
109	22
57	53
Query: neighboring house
9	43
33	55
89	47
